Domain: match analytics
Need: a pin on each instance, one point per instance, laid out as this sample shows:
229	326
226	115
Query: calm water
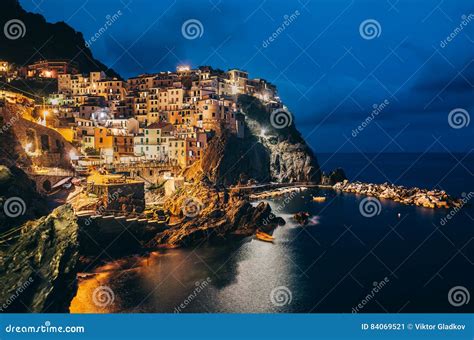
327	266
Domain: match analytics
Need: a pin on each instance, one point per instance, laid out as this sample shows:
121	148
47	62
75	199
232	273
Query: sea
396	258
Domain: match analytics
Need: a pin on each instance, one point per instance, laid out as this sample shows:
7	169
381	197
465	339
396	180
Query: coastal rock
302	217
38	272
288	156
411	196
17	192
210	213
277	155
336	176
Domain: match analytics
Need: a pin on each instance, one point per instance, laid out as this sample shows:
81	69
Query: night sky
328	73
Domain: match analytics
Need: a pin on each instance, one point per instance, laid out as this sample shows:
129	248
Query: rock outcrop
19	200
265	154
285	155
203	211
412	196
336	176
38	273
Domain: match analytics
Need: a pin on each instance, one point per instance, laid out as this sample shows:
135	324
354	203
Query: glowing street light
45	113
183	68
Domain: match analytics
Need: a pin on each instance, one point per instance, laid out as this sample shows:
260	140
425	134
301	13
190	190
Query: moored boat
264	236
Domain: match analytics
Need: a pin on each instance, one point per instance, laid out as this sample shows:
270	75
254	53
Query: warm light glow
183	68
72	155
45	113
234	89
28	147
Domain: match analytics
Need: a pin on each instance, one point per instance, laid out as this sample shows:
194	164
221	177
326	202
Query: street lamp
45	113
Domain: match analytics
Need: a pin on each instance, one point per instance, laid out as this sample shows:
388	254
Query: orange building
102	139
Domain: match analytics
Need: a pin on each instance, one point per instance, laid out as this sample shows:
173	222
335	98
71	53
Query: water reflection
328	265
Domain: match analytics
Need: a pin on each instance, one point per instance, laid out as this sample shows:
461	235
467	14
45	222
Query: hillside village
165	117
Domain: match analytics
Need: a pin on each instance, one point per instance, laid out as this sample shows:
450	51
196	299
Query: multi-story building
177	152
153	143
51	68
163	117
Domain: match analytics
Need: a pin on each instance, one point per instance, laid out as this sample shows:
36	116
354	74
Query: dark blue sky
327	73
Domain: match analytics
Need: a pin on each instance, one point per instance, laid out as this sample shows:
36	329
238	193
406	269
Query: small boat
264	236
319	198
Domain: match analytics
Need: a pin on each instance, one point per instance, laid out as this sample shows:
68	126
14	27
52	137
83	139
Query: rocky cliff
205	211
268	152
19	200
54	41
38	273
